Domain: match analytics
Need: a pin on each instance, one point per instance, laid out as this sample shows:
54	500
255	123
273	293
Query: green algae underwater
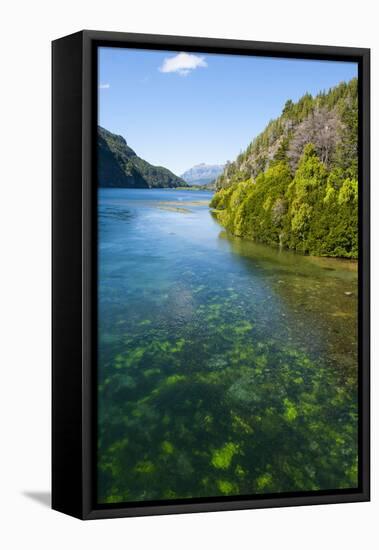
225	367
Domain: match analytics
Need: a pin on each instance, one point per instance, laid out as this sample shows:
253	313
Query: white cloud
183	63
104	86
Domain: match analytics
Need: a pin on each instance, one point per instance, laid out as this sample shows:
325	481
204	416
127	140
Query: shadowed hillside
296	185
119	166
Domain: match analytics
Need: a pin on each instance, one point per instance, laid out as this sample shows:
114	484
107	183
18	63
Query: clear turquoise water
225	367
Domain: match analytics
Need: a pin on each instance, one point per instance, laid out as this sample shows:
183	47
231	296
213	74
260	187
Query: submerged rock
245	392
217	362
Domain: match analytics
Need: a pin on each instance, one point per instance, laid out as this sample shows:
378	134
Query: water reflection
320	295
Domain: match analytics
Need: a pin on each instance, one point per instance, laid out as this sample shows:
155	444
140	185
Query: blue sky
178	109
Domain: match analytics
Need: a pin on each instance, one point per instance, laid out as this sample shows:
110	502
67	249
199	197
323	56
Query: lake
225	367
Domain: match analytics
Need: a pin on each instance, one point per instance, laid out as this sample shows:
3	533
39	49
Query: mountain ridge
120	166
202	173
325	120
296	184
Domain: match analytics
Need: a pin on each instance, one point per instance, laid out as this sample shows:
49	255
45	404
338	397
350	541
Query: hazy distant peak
202	173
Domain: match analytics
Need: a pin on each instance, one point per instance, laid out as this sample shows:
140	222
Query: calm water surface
225	367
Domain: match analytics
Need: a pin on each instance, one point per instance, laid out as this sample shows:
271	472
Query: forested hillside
296	185
119	166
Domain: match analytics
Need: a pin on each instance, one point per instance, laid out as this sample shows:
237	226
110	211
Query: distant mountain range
202	174
119	166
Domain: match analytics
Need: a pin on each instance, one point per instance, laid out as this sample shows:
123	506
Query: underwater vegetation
221	413
225	373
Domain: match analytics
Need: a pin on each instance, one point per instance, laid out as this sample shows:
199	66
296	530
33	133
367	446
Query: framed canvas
210	275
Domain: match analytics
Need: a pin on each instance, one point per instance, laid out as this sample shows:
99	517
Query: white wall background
26	31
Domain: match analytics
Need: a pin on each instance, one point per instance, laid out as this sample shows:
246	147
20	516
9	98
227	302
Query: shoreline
353	261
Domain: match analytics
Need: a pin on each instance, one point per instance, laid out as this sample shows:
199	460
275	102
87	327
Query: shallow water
225	367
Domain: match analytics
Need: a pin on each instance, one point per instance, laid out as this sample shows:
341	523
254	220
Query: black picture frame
74	123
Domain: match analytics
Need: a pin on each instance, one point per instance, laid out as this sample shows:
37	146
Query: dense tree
322	128
305	195
313	212
329	121
256	210
296	183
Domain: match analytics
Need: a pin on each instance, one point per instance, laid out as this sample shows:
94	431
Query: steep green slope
296	183
119	166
